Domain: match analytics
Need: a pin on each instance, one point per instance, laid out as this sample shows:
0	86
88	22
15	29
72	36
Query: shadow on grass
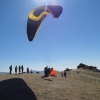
15	89
48	79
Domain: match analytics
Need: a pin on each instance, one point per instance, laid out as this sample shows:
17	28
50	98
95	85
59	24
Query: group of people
63	73
47	71
19	68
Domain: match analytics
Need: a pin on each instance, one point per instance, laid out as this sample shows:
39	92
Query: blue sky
62	43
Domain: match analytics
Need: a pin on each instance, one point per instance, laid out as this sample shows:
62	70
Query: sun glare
45	1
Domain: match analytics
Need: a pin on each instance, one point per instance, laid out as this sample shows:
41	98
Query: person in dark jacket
10	68
46	72
65	73
19	69
16	69
49	70
62	74
22	69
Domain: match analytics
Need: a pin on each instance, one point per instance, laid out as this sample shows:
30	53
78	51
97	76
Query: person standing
27	70
45	72
19	69
10	68
62	74
22	69
16	69
65	73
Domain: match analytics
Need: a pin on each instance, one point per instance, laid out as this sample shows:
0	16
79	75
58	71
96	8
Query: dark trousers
65	75
10	72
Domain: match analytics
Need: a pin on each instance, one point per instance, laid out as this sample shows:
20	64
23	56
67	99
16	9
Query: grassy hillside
84	85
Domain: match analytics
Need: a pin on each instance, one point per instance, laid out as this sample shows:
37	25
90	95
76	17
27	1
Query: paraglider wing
53	73
36	17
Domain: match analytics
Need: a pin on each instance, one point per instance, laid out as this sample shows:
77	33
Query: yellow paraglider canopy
37	15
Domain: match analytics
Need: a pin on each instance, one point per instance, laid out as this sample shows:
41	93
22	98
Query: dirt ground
84	85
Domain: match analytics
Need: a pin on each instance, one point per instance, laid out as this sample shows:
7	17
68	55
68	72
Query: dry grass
84	85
